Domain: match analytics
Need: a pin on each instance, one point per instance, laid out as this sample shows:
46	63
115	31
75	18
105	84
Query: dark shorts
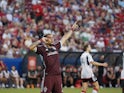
91	80
52	84
122	83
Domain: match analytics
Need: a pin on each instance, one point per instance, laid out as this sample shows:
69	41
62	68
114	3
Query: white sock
94	91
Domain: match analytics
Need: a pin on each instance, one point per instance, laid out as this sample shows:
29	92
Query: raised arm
68	34
35	44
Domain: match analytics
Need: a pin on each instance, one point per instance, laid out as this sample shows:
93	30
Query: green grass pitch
66	90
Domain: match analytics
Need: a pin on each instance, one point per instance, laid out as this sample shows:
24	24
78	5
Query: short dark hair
86	46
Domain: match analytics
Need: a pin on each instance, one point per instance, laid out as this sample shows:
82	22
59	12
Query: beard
49	43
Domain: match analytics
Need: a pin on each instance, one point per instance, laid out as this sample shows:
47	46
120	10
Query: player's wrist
72	29
39	41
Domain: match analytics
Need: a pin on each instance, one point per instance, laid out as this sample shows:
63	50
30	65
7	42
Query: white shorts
91	80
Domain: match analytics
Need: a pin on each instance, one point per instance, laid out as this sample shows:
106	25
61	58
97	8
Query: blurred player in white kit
86	72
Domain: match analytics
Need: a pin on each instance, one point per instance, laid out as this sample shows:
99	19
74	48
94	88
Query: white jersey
122	74
14	73
86	71
6	74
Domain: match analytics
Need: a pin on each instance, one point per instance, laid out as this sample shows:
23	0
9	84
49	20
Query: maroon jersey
51	58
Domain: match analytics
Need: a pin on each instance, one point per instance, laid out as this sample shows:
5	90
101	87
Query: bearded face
49	39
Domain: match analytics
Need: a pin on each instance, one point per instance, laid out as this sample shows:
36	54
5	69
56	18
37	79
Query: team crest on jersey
51	51
45	89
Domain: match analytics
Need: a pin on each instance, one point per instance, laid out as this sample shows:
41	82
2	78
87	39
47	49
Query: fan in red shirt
46	47
38	11
2	65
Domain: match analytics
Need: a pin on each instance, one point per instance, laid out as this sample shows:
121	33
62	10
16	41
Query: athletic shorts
52	84
122	83
91	80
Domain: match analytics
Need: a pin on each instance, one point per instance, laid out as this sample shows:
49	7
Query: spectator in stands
38	11
100	44
118	76
2	65
67	78
31	78
40	74
110	77
3	4
1	76
101	71
75	74
6	77
122	80
72	45
17	81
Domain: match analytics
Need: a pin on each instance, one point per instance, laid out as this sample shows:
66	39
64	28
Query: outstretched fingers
75	25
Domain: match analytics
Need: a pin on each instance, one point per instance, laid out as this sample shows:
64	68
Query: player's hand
43	39
105	64
75	26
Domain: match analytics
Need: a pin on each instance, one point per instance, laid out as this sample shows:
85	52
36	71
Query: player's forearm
97	64
66	37
32	46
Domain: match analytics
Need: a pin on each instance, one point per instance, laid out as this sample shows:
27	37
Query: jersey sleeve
58	45
90	58
39	49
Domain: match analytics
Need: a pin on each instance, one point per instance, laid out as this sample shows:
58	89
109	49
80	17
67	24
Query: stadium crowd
100	21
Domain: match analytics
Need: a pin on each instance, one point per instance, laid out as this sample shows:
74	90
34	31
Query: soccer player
86	72
49	50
